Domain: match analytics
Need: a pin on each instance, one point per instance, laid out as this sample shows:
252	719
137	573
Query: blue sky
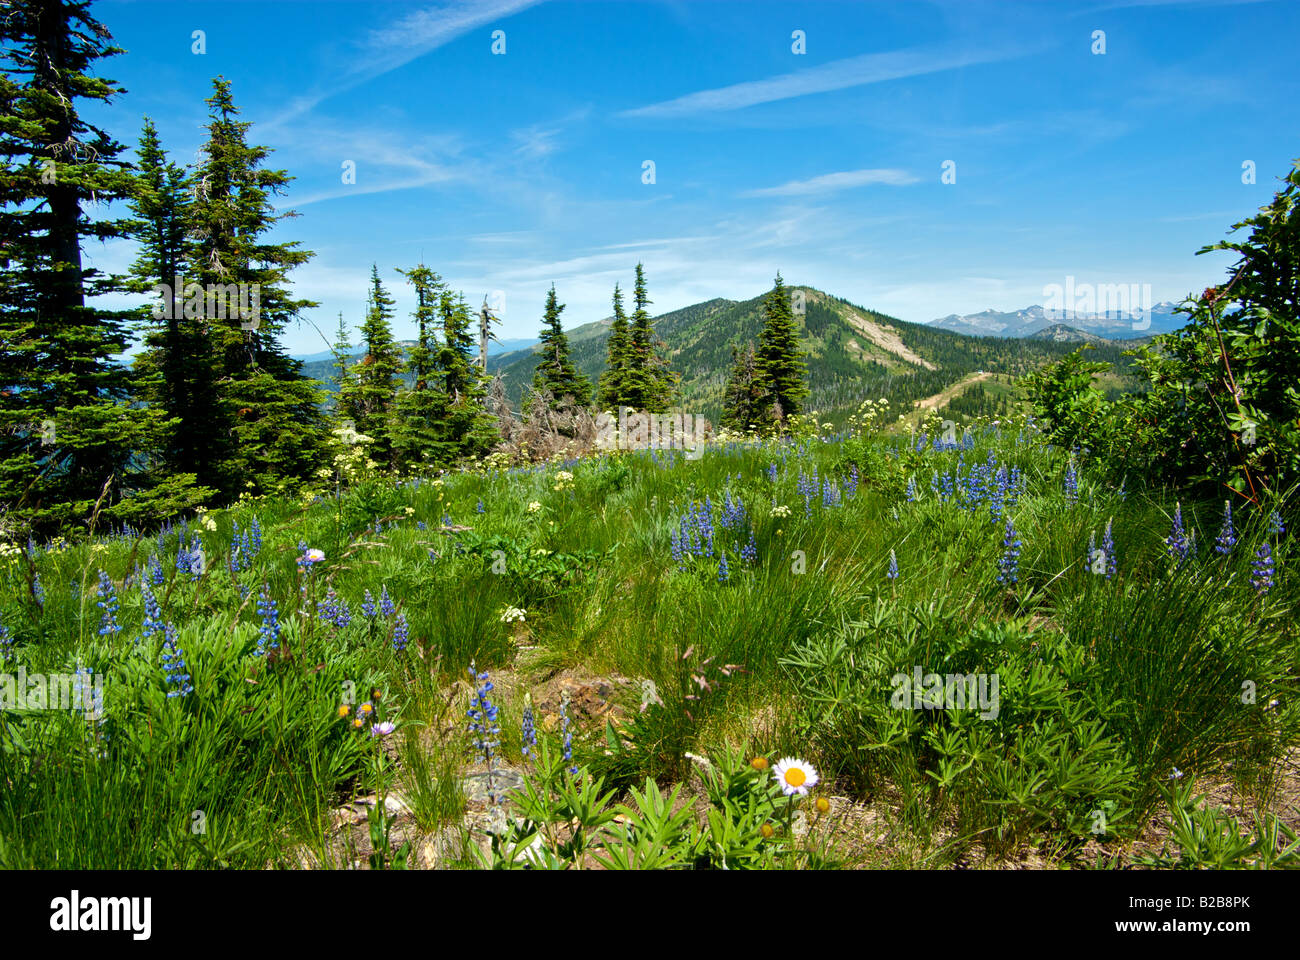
507	172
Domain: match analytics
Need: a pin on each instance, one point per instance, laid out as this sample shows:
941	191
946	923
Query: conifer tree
648	384
743	401
468	430
262	421
341	348
555	373
422	409
612	385
370	396
781	367
67	429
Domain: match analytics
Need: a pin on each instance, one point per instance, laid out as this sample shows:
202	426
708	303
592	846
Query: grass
1109	686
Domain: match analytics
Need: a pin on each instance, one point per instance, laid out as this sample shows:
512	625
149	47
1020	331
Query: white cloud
830	182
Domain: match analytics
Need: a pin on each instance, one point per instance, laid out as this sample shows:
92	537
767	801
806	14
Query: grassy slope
1106	684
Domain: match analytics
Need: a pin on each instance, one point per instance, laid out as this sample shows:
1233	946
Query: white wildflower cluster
563	481
513	615
781	511
869	415
534	507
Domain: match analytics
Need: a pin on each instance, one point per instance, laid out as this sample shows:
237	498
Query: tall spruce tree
263	419
556	373
421	410
781	367
369	398
67	429
612	386
468	429
743	401
648	384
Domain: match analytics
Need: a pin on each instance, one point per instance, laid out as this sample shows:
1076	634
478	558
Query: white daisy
795	776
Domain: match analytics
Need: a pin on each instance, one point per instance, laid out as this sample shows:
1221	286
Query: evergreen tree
422	409
468	429
648	384
555	373
342	351
174	364
743	402
781	367
260	418
369	398
67	429
612	386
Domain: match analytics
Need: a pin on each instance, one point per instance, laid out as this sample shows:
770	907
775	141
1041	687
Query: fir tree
612	386
648	384
422	409
67	429
369	397
780	363
555	373
743	402
468	429
261	421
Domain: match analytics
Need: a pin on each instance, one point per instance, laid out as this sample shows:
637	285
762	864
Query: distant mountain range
1032	321
852	353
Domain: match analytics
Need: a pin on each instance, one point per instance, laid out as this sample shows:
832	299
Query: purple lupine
1009	562
1178	543
401	634
1261	569
1227	538
1108	548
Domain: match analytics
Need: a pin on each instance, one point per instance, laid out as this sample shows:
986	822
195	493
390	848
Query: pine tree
369	399
781	367
422	409
174	366
648	384
555	373
743	401
67	429
341	348
261	421
612	385
468	429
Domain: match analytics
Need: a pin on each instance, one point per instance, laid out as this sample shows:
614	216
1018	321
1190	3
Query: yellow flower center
759	763
795	777
823	805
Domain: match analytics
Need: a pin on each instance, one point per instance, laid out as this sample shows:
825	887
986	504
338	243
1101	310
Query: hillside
853	353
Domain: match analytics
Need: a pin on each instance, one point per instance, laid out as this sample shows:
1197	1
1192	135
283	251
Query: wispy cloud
836	75
396	45
830	182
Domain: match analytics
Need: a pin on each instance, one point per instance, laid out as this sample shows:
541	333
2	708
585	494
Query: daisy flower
795	776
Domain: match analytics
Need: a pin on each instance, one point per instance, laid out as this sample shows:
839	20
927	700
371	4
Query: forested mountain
853	353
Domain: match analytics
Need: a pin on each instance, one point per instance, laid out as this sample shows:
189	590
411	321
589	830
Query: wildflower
893	566
528	735
400	634
781	511
155	570
534	506
1275	523
173	659
911	489
344	710
1071	484
1177	543
368	606
6	643
383	728
386	607
767	831
749	552
1108	549
269	632
513	614
483	722
1009	562
313	556
759	764
1176	774
1261	569
771	472
38	591
108	603
851	484
567	732
723	573
1227	538
480	508
795	776
153	621
823	805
